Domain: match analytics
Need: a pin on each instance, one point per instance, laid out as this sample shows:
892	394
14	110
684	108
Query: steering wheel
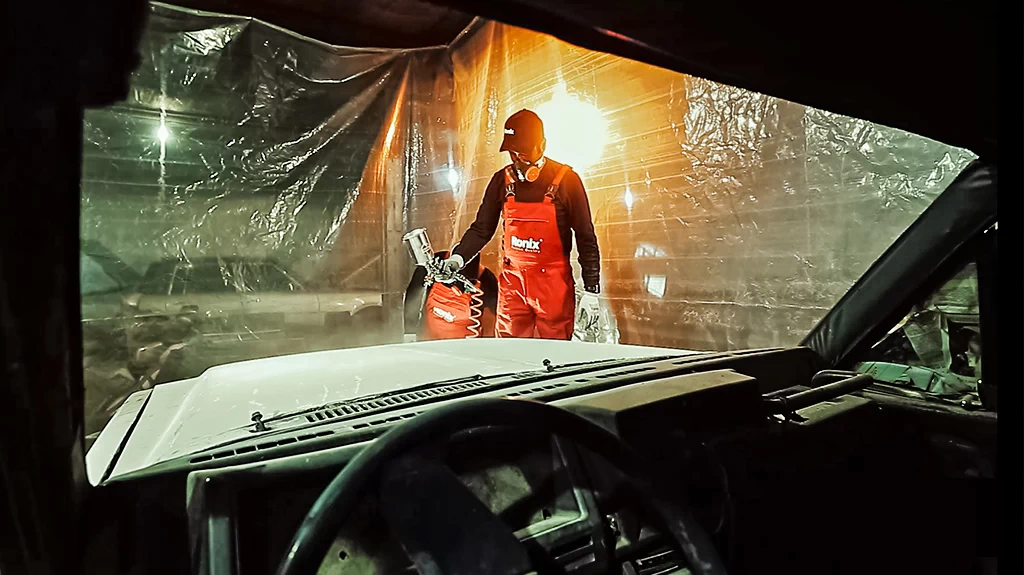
347	490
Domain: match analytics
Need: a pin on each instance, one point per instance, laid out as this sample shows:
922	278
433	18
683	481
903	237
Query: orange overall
535	291
451	313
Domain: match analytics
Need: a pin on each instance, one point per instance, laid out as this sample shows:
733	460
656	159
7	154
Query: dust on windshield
251	197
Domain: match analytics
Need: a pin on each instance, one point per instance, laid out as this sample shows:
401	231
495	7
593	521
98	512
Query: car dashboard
700	420
562	503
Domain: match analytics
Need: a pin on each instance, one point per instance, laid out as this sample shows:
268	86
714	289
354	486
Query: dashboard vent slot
537	389
661	562
259	446
625	372
386	420
391	401
574	553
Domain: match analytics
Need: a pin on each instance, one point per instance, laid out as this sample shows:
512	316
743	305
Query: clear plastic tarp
726	219
250	197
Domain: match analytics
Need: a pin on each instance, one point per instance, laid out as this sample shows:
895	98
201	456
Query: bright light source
163	133
453	178
576	131
628	198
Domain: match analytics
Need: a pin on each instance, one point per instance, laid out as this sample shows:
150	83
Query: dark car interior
835	485
788	460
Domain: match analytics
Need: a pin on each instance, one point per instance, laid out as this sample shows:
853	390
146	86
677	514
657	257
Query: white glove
591	304
452	264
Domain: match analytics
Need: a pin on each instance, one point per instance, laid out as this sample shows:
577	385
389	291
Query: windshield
250	200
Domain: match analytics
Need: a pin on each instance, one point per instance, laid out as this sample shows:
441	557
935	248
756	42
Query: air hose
476	311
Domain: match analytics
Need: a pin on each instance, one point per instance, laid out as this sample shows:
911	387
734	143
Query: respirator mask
526	170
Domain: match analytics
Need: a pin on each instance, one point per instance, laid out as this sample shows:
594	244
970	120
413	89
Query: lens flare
576	130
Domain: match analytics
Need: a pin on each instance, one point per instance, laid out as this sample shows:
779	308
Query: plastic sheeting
259	183
726	219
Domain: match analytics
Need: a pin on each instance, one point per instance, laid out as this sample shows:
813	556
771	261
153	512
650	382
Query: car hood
183	417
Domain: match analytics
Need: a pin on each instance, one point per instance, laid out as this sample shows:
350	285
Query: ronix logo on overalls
526	245
444	314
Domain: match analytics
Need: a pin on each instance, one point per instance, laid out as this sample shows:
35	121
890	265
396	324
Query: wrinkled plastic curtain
243	146
726	219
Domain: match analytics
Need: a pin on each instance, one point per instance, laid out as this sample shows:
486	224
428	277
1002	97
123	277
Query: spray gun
423	254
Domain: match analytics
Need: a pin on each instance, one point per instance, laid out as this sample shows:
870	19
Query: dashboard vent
574	553
386	420
625	372
391	401
537	389
660	562
260	446
360	408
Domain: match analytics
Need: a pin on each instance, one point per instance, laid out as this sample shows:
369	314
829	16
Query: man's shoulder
557	166
498	177
570	177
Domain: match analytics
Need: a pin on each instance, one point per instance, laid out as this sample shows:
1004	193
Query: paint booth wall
250	196
726	219
249	199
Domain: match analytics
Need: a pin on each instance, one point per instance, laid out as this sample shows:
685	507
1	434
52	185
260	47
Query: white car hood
187	416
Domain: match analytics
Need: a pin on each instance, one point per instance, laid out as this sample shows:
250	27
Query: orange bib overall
535	291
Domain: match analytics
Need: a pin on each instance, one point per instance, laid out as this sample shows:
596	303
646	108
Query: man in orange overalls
542	205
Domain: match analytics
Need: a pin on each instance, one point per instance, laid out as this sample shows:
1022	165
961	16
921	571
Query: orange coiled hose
476	311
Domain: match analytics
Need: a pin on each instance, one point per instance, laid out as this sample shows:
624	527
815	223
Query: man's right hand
453	264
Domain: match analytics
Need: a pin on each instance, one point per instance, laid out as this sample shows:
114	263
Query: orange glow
576	130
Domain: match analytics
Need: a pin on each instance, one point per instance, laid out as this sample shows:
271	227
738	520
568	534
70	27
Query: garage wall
726	219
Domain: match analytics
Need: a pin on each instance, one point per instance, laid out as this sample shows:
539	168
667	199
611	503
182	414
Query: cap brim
506	144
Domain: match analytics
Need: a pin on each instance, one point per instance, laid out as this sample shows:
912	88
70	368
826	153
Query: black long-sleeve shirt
572	215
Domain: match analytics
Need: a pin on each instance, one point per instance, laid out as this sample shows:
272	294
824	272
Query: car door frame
918	262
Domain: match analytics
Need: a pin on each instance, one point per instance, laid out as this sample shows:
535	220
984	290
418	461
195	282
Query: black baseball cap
523	131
